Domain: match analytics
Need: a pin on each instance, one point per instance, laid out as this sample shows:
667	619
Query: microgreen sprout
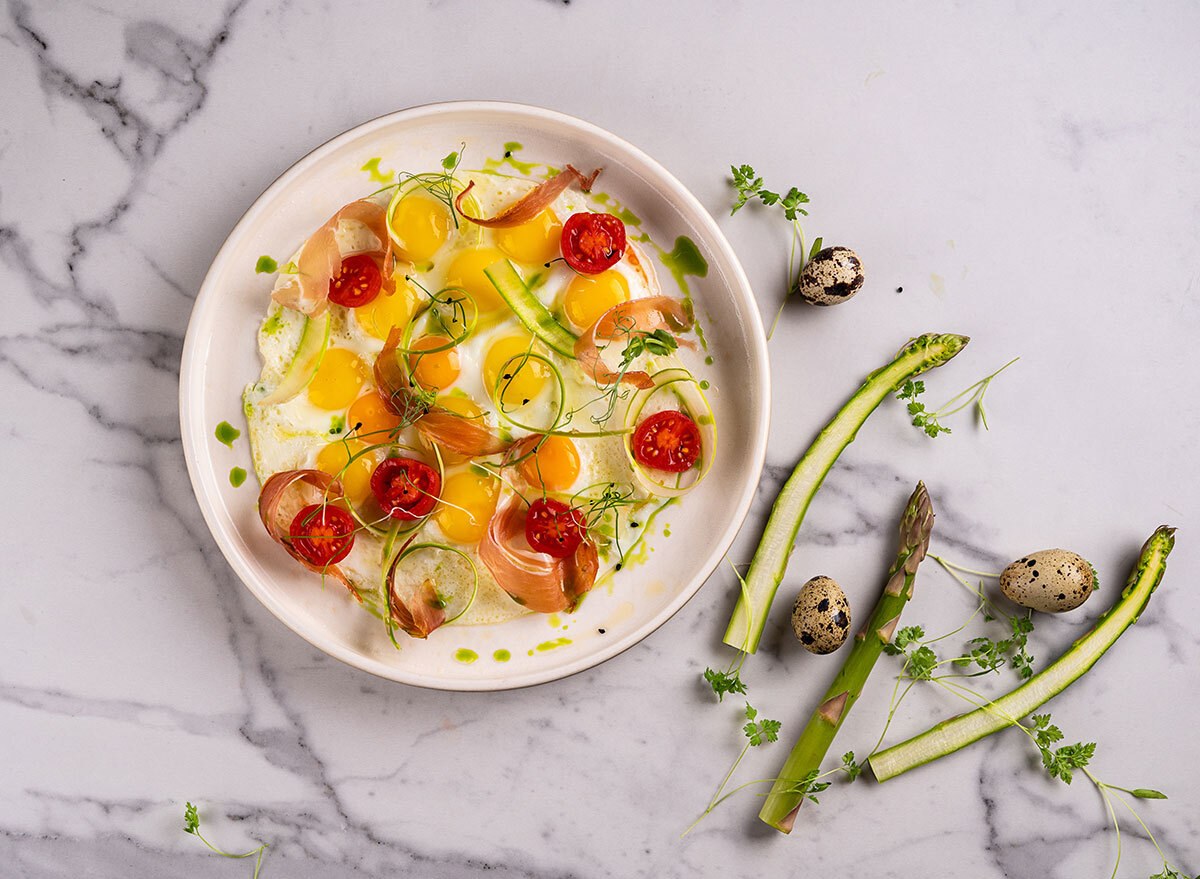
191	824
930	422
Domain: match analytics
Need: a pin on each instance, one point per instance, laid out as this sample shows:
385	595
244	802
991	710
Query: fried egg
340	424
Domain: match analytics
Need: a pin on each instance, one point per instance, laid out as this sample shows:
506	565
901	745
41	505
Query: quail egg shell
834	275
1050	580
821	615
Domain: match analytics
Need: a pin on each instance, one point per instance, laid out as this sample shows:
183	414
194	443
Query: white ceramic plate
220	357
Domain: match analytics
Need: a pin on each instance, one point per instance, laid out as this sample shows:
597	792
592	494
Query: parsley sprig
191	824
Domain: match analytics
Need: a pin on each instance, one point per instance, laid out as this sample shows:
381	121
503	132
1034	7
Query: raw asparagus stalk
787	794
958	732
770	560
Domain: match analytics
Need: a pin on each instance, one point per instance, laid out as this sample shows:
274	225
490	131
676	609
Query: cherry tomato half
323	534
405	487
667	440
554	528
592	243
356	283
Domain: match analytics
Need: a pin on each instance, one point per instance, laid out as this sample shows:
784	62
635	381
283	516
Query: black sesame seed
601	631
899	289
618	567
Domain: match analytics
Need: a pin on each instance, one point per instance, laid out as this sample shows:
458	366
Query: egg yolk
466	271
555	464
437	369
420	226
334	459
387	310
375	419
537	241
588	297
467	502
521	380
465	407
339	379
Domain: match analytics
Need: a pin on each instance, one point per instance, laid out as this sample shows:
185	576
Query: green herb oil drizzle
237	476
227	433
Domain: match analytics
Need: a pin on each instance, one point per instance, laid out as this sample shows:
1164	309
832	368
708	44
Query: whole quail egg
821	615
1050	580
834	275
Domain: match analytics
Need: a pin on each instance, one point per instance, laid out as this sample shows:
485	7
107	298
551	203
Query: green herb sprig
930	422
191	824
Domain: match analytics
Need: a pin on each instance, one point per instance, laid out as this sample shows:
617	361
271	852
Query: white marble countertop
1026	174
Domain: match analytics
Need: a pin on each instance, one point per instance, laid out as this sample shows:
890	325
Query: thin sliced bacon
414	607
283	496
531	203
535	580
644	315
320	259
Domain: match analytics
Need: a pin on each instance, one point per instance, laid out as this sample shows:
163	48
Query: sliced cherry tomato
554	528
405	487
592	243
356	283
667	440
323	534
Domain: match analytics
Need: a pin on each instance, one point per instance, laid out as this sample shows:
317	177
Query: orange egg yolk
420	226
588	297
555	464
355	475
466	271
387	310
339	379
467	502
514	382
375	419
535	242
437	369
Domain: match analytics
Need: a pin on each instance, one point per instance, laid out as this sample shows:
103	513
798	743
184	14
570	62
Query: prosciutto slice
534	579
283	496
644	315
531	203
320	259
435	424
414	607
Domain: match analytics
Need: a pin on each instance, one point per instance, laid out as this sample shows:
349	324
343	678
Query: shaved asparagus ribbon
958	732
770	560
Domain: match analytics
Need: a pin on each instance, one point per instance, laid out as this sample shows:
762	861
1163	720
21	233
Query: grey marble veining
1025	174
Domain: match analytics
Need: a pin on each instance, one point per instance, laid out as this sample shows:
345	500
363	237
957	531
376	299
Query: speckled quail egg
834	275
821	615
1051	580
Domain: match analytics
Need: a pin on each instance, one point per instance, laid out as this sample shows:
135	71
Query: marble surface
1026	173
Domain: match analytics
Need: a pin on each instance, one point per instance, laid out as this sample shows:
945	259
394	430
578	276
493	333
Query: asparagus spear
787	794
770	560
958	732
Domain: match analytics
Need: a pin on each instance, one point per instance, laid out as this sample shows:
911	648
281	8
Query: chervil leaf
850	767
724	682
191	821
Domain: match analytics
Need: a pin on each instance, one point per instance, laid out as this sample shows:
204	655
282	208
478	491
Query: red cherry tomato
592	243
356	283
554	528
667	440
323	534
405	487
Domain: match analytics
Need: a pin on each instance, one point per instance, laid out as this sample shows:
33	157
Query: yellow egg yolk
513	382
465	407
555	464
437	369
588	297
339	379
387	310
375	419
466	271
334	459
420	226
535	242
467	503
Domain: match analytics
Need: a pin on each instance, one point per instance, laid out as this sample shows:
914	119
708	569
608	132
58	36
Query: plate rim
188	395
